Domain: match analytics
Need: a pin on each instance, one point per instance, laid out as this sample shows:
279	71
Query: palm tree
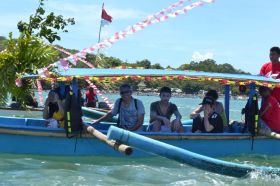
24	55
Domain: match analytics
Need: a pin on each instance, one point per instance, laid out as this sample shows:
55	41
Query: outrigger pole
184	156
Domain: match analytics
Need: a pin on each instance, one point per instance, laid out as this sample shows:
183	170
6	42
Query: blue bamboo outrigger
30	136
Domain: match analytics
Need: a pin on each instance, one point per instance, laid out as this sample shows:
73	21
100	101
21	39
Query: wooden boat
29	135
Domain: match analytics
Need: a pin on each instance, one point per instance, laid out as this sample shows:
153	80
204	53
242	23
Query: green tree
210	65
144	63
3	43
156	66
28	53
21	56
45	26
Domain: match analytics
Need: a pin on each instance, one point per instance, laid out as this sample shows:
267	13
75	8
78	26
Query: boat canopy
110	74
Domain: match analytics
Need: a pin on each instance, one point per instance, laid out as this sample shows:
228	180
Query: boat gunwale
59	132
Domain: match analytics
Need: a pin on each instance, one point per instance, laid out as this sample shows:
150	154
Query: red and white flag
106	19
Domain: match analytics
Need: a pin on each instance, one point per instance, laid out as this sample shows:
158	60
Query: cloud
197	56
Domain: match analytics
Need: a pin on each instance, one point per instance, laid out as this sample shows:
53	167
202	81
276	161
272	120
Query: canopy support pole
75	86
61	89
227	98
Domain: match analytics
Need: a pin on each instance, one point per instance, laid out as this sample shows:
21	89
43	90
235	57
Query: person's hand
166	122
177	119
193	115
206	112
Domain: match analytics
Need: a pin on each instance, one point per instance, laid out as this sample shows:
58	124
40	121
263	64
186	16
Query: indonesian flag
106	19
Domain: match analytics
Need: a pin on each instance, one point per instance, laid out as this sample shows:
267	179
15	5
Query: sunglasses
125	92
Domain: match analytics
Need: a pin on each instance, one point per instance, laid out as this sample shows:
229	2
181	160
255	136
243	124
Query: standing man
272	69
130	110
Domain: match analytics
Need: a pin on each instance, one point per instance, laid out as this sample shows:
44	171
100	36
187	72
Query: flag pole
100	25
99	35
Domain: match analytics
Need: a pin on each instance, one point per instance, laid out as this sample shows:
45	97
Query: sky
238	32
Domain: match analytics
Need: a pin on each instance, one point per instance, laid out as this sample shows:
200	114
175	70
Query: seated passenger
14	104
211	122
130	110
218	106
269	111
161	112
53	111
30	100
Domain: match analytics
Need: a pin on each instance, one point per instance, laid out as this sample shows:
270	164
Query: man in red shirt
272	69
91	98
270	110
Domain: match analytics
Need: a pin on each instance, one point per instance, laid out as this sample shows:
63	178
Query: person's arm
140	116
263	69
155	116
46	109
266	109
105	117
59	103
110	114
196	112
178	115
207	125
140	121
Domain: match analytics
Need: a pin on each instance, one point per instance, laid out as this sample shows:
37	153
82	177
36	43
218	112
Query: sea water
64	170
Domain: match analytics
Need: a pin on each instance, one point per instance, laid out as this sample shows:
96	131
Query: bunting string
69	54
232	82
158	17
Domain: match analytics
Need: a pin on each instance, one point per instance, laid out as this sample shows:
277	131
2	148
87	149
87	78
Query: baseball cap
207	100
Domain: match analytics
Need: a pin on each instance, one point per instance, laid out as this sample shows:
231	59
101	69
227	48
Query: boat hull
30	136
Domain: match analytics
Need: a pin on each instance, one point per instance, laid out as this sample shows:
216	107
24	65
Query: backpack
251	112
119	108
73	115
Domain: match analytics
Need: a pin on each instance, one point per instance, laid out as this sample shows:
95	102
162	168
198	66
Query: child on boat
270	111
218	107
130	110
211	122
53	111
161	112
